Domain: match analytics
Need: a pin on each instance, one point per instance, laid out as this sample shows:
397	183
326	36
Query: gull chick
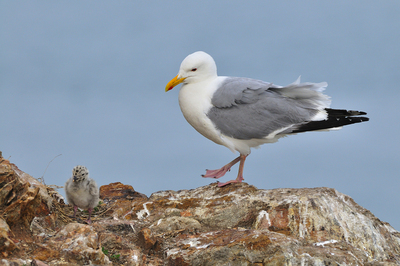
244	113
82	191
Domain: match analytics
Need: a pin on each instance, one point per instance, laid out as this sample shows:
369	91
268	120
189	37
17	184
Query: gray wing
245	108
92	186
93	201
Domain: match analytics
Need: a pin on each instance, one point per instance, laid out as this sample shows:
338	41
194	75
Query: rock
6	244
241	224
21	199
117	190
150	243
21	196
38	263
175	223
234	225
79	243
120	196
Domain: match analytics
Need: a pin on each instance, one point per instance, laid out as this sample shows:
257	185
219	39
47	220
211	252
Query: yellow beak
175	81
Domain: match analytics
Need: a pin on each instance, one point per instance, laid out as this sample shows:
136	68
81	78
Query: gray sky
86	80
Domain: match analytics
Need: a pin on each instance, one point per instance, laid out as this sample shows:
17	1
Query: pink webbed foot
222	171
216	173
237	180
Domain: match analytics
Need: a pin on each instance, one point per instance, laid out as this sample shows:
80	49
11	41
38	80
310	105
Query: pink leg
221	172
75	209
240	173
89	221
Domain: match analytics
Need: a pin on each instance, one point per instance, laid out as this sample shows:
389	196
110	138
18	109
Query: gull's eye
193	69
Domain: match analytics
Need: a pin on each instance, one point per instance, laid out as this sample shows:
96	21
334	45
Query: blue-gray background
86	80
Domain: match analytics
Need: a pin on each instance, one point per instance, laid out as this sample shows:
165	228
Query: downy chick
82	191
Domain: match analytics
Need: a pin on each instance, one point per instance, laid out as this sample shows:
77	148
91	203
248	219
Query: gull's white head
196	67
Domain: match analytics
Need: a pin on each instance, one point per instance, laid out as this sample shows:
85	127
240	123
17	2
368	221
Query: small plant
105	251
111	256
96	209
115	256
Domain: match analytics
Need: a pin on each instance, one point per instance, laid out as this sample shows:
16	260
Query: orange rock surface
234	225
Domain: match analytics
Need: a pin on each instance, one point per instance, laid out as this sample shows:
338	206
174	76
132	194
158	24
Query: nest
65	212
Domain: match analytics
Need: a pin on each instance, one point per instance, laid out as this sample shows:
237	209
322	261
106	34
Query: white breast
195	102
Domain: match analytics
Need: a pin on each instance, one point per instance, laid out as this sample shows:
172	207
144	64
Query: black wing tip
353	113
343	112
336	118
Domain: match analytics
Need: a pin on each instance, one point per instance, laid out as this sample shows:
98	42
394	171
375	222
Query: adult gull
242	113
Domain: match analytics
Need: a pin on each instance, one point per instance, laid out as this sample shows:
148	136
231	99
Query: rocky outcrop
233	225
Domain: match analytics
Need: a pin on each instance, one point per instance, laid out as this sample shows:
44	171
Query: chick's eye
193	69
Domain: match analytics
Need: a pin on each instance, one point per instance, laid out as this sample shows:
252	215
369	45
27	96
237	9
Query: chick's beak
75	178
175	81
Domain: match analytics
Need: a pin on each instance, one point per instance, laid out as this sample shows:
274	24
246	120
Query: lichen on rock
234	225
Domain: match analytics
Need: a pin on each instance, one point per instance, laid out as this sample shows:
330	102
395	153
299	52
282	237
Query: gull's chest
195	102
78	190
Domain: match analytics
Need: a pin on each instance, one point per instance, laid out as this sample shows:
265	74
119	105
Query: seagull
243	113
82	191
